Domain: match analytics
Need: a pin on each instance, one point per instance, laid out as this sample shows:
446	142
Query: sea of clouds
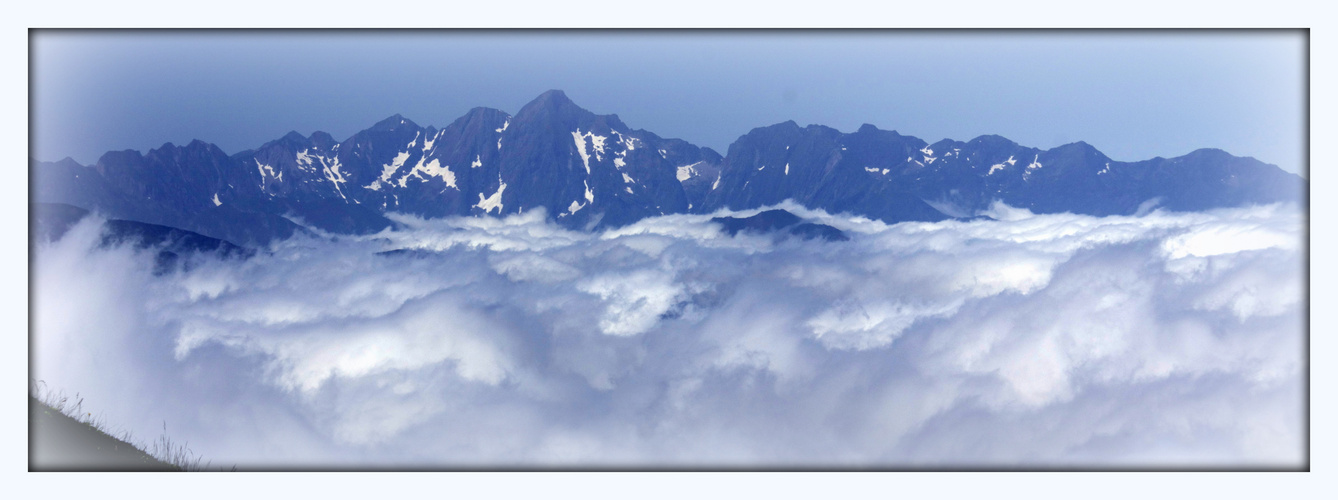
1158	340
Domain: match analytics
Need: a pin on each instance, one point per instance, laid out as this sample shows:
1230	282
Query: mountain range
590	172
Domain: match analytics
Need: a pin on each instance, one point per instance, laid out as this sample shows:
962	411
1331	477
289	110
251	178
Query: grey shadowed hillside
59	443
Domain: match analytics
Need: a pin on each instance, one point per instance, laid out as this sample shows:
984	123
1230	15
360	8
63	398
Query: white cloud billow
1163	339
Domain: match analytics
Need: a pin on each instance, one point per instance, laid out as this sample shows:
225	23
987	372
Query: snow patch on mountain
388	171
267	172
304	160
427	143
329	169
433	168
493	201
686	172
579	139
1000	166
1035	164
628	141
597	145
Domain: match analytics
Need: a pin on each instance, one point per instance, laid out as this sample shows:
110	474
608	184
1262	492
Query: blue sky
1132	94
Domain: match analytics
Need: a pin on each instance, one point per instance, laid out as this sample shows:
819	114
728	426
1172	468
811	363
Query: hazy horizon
1134	95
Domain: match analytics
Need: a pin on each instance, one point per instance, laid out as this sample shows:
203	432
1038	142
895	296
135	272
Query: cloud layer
1160	340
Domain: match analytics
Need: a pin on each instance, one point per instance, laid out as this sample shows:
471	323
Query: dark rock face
591	171
818	167
173	247
588	171
162	188
810	231
894	178
780	222
767	221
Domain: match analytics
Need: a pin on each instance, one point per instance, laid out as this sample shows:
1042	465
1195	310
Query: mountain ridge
592	171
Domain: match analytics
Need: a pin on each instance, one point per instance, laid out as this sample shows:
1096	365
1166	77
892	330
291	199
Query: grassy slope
57	442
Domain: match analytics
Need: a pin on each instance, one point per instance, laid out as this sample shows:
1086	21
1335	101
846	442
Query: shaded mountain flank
590	172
